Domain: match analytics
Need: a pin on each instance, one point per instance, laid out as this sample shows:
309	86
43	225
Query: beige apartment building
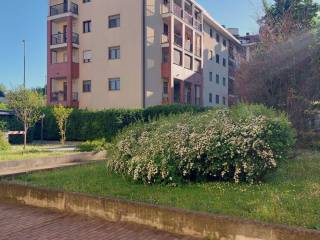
137	53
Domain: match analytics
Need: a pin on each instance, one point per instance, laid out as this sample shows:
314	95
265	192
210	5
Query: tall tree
27	106
2	90
284	71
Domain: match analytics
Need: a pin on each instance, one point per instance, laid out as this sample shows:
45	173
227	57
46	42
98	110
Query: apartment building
137	53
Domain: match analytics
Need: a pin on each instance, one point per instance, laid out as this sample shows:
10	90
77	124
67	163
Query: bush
93	146
241	144
4	145
86	125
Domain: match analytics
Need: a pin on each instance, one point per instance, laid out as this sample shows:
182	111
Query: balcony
61	38
198	25
188	18
63	8
178	11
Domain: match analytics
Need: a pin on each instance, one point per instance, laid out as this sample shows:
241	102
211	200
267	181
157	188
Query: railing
63	8
75	96
178	40
61	38
58	96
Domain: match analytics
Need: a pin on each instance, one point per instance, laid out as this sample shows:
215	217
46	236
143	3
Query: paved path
22	222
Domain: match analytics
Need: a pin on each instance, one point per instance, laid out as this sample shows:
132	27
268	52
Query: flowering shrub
219	144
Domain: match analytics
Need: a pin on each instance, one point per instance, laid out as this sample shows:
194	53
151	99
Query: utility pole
24	63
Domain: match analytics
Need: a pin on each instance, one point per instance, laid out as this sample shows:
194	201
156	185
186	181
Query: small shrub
93	146
4	145
241	145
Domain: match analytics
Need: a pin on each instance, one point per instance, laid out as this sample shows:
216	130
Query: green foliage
62	115
4	145
2	90
3	106
241	144
86	125
93	146
26	105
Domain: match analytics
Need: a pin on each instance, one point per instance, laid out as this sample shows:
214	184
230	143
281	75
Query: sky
26	19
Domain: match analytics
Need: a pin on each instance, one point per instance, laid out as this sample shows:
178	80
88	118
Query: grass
289	196
31	152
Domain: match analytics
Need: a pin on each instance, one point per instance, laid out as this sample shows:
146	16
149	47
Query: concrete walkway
22	222
8	168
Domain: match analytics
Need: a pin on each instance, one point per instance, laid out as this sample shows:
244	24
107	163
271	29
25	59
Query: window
224	62
86	87
218	37
217	99
114	21
177	57
86	1
87	56
165	88
224	81
217	79
210	98
165	29
114	84
114	53
197	64
210	76
211	32
165	55
211	55
217	58
224	101
224	42
188	61
87	26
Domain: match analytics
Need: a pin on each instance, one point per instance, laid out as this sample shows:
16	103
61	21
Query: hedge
90	125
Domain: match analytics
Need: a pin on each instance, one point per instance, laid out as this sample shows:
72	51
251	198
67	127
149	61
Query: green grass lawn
31	152
289	196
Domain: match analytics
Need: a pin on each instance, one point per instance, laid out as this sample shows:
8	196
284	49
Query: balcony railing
61	38
188	46
63	8
178	40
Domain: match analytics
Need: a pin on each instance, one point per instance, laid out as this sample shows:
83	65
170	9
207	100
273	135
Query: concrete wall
172	220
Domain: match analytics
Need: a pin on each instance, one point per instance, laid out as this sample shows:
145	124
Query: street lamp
24	63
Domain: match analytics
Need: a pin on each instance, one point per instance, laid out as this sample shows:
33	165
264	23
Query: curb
172	220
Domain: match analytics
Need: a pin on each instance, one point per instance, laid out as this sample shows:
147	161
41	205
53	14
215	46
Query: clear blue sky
26	19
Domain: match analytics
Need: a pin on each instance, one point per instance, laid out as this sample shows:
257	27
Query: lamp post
42	118
24	63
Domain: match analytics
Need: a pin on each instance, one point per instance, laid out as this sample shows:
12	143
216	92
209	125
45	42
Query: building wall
128	68
210	65
153	54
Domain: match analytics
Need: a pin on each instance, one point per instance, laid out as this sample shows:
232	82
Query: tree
62	115
284	70
2	90
27	107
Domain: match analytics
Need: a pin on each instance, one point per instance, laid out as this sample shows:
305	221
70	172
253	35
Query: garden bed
289	196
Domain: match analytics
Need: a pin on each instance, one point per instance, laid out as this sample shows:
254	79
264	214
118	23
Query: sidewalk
22	222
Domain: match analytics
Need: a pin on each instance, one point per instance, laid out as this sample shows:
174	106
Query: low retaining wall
167	219
43	162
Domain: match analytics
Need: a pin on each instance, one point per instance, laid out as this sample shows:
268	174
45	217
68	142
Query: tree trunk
25	137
